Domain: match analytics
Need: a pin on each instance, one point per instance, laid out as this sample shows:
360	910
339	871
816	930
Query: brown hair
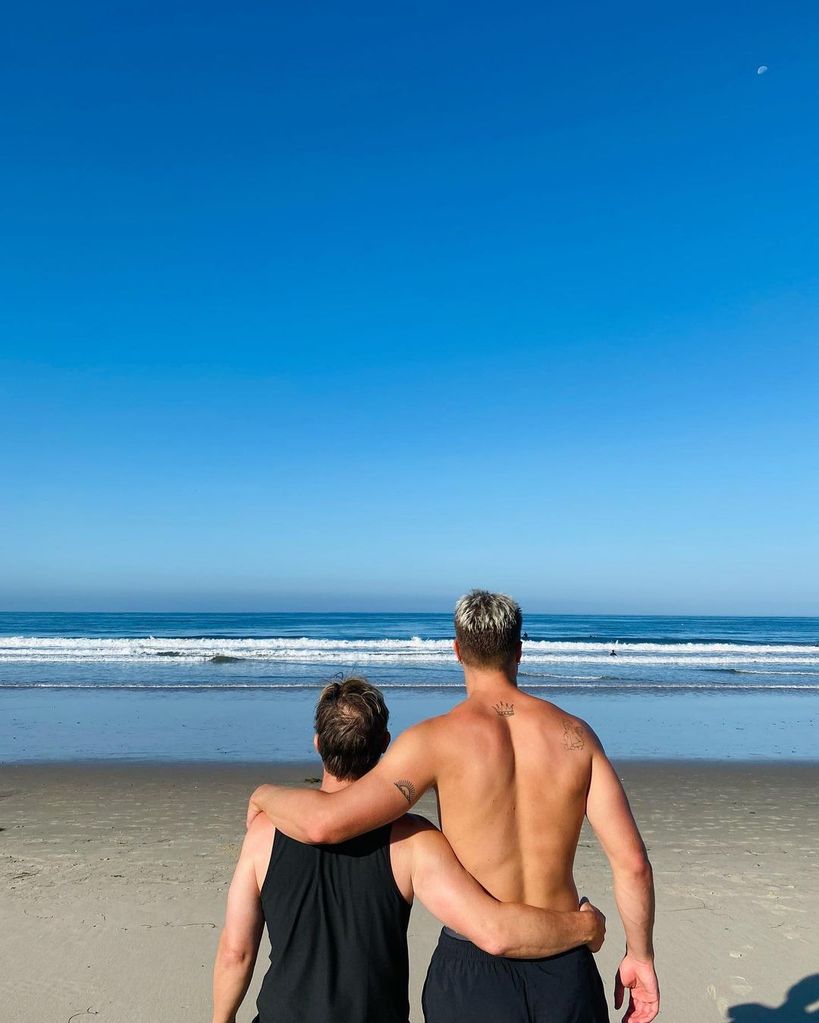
487	627
351	725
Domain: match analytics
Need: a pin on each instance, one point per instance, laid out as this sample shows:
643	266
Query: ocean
242	686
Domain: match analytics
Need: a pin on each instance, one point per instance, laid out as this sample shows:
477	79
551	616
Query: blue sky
357	306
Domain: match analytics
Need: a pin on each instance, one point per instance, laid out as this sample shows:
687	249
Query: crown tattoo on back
504	710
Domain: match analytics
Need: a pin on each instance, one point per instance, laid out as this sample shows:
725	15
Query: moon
762	69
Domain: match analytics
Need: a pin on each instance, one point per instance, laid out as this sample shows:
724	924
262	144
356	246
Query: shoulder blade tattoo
573	737
406	788
504	710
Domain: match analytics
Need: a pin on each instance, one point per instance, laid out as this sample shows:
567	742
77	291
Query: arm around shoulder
395	784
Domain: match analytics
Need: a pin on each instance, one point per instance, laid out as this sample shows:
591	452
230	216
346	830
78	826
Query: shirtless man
515	777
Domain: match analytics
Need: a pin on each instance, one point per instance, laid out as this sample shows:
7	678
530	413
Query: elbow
317	834
235	956
638	869
321	830
501	948
642	868
496	940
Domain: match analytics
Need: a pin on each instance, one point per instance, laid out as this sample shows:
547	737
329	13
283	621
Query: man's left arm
394	785
241	935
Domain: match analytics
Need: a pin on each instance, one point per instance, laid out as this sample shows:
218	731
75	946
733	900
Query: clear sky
359	305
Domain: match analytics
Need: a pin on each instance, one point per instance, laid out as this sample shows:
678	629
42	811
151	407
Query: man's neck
489	680
329	783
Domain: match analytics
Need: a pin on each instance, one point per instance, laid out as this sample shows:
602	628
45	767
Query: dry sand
114	880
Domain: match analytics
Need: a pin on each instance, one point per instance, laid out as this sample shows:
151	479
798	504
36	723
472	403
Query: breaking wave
592	686
714	656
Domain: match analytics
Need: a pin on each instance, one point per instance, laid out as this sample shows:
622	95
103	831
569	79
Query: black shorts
467	985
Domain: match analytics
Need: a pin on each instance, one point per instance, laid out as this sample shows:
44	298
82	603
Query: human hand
644	991
599	936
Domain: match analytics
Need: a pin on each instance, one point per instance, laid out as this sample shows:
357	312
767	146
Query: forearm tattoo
573	737
407	789
505	710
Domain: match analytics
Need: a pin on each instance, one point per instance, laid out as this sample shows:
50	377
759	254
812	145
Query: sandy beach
114	881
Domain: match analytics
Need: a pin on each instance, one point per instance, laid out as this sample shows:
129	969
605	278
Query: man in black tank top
337	915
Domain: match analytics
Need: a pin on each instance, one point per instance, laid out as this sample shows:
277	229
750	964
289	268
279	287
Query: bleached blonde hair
487	627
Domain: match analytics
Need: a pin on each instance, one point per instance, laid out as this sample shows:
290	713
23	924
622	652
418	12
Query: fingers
641	1012
618	990
638	1011
644	1012
587	907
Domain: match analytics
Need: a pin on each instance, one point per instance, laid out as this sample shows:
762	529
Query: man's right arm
610	816
501	928
239	941
395	784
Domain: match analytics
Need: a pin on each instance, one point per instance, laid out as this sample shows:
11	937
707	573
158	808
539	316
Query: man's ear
387	741
315	743
456	647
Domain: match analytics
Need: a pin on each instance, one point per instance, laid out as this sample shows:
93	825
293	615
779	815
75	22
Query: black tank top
338	934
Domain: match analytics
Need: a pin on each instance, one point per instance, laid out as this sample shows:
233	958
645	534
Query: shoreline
260	727
114	876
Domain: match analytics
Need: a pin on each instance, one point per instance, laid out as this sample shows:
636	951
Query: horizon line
448	611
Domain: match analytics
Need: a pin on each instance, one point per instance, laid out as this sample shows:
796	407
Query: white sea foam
193	687
27	649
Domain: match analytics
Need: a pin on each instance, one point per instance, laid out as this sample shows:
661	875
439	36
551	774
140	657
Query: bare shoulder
259	838
574	734
418	735
584	731
431	728
258	847
427	736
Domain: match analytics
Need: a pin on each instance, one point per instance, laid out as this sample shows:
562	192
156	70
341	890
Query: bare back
512	777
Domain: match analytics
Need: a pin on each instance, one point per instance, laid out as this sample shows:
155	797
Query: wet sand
114	880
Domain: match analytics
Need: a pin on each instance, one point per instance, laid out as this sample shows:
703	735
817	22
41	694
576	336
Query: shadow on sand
801	1005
